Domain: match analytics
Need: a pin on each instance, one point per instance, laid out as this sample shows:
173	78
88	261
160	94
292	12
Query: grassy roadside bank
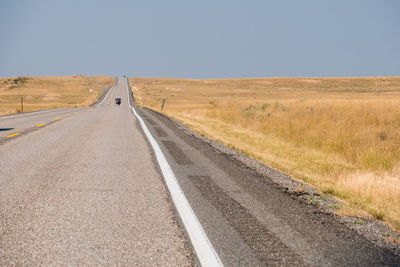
50	92
341	135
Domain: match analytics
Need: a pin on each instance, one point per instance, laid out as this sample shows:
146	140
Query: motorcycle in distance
117	101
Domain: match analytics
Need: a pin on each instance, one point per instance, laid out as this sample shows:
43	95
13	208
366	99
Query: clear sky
200	39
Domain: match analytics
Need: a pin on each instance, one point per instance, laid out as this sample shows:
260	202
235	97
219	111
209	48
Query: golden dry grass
341	135
50	92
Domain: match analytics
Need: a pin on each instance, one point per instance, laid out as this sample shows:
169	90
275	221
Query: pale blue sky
200	39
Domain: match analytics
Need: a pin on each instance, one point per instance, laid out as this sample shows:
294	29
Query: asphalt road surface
28	121
85	188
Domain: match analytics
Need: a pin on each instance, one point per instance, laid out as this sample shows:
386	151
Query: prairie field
341	135
50	92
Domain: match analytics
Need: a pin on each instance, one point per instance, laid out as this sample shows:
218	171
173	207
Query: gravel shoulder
308	209
374	230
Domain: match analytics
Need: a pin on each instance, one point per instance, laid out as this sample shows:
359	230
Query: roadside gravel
373	230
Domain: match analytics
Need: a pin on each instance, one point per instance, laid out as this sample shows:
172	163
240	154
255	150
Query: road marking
40	125
12	135
30	114
202	245
106	95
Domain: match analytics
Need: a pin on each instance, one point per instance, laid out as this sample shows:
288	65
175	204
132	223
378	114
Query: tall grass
50	92
341	135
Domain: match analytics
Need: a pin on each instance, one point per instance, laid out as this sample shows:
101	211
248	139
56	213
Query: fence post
162	106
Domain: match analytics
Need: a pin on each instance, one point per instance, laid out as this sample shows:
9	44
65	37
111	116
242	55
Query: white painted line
202	245
33	113
105	96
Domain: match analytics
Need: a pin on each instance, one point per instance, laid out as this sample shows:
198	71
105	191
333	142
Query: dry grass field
341	135
50	92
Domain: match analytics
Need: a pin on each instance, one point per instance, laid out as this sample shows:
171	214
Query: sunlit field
50	92
341	135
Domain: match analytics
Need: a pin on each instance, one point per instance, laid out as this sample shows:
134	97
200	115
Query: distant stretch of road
122	185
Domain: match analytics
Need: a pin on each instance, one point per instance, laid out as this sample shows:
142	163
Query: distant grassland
341	135
50	92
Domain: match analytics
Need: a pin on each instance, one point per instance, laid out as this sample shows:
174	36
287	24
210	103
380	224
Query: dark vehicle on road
118	101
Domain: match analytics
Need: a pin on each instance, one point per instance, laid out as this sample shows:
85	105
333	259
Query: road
29	121
85	191
88	189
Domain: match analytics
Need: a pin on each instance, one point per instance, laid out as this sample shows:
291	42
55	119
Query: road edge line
31	113
99	104
202	245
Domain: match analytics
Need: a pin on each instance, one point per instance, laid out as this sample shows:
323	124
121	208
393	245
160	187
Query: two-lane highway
85	191
103	187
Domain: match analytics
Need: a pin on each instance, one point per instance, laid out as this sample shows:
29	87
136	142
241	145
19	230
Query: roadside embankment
340	135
